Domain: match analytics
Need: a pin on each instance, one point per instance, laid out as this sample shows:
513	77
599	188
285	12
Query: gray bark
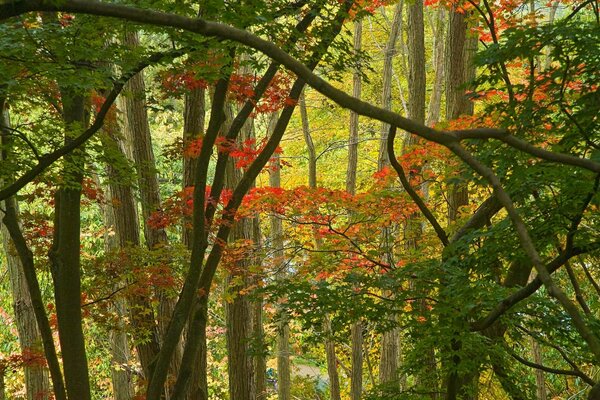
120	214
435	101
284	382
390	342
139	133
310	146
386	96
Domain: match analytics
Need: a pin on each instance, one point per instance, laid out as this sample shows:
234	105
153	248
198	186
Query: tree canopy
201	200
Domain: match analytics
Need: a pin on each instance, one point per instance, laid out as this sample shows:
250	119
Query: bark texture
386	95
238	307
36	377
284	381
356	330
65	255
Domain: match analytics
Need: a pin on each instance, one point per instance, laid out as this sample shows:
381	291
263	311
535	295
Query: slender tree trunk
310	146
356	330
332	370
260	360
390	342
36	377
435	101
386	95
284	379
65	256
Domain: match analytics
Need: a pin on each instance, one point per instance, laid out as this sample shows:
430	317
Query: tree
543	178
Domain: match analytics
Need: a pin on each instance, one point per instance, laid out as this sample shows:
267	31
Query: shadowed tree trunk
460	70
65	254
260	360
193	128
427	377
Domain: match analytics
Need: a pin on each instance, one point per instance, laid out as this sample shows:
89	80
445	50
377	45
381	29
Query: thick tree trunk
427	378
238	309
65	256
460	70
139	133
540	380
120	214
193	128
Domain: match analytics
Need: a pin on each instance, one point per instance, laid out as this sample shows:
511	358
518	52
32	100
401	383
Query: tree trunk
390	342
284	380
121	214
36	377
139	133
238	308
435	101
65	256
10	221
386	96
540	380
310	146
332	370
356	330
460	70
193	128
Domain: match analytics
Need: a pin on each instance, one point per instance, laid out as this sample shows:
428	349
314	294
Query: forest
299	199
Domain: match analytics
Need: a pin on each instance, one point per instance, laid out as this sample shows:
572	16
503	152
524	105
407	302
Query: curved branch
550	370
441	234
526	147
47	160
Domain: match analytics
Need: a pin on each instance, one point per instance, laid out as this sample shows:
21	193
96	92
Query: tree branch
47	160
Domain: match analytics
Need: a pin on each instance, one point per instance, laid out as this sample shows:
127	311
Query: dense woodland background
311	199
